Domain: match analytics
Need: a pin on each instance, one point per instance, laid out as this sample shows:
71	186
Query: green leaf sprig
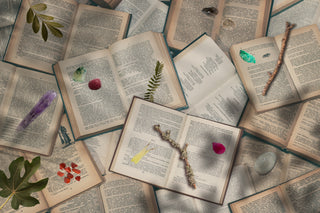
19	188
154	82
34	17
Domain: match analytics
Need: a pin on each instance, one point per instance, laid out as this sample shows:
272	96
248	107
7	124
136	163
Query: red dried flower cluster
64	170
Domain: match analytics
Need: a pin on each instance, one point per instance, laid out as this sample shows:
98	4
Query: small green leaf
45	17
35	24
56	32
39	7
44	32
20	187
54	24
30	16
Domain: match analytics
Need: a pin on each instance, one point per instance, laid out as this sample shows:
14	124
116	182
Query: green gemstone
247	57
79	75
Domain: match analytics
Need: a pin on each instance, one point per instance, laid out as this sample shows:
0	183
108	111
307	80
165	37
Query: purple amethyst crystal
42	104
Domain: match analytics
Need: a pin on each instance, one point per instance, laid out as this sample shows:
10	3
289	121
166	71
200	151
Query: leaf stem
6	201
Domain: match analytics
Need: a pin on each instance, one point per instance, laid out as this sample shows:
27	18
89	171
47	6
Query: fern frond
154	82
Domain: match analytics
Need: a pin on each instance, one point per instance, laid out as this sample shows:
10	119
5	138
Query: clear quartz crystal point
42	104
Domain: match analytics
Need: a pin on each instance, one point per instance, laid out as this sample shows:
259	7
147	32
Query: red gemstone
73	165
61	174
67	180
62	165
94	84
77	171
77	178
68	169
69	175
218	148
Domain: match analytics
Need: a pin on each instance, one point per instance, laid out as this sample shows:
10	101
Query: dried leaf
35	24
45	17
39	7
30	16
44	32
56	32
20	187
54	24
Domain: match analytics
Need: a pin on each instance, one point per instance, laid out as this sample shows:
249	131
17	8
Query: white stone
265	163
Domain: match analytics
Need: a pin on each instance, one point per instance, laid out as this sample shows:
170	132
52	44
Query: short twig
280	59
183	154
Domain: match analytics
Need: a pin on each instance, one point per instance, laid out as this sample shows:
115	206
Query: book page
298	166
305	137
107	3
135	60
23	93
254	76
211	171
275	125
242	21
302	58
6	157
122	194
250	149
268	201
96	28
304	192
93	203
147	15
280	5
139	134
302	14
6	73
186	21
91	111
29	49
57	190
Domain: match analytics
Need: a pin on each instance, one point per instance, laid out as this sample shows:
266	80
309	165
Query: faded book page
274	125
242	21
265	202
107	3
250	149
91	111
29	49
298	166
6	157
57	190
6	73
303	193
302	58
302	14
135	60
305	137
24	91
102	148
122	194
138	132
93	203
211	171
147	15
186	21
254	76
280	5
95	28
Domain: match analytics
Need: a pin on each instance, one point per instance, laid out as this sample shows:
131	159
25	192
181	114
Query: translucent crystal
265	163
79	75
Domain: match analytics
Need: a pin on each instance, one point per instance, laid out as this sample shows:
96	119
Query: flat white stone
265	163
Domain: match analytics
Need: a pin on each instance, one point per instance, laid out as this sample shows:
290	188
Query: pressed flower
218	148
67	180
66	172
78	178
73	165
62	165
61	174
77	171
69	175
68	169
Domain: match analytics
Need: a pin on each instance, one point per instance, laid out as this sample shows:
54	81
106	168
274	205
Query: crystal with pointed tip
265	163
80	74
42	104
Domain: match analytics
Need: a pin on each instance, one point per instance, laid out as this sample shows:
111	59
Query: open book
240	186
20	91
211	84
294	127
147	15
107	3
297	79
298	195
280	5
125	69
57	190
85	29
117	193
161	166
228	22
